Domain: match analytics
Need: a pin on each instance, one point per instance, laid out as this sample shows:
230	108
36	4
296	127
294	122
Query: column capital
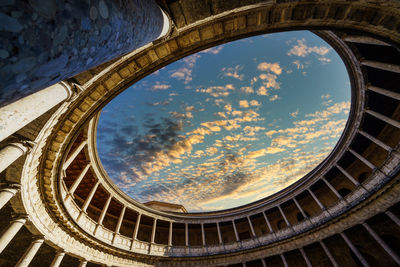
19	216
73	89
9	185
37	238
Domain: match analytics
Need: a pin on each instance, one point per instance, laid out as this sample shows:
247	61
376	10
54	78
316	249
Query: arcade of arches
59	207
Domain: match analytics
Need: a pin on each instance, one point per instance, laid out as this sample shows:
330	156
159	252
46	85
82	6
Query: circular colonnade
72	205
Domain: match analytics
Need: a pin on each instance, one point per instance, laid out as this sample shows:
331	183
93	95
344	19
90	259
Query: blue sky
229	125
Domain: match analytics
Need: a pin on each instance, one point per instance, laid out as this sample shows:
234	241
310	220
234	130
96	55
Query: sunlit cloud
233	72
262	91
274	98
244	104
158	86
247	90
302	50
294	114
217	91
273	67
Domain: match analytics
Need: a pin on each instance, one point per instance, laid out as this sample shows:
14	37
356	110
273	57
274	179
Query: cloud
158	86
185	73
217	91
274	98
326	96
213	50
324	60
255	103
294	114
247	90
262	91
233	72
302	50
298	64
243	104
273	67
270	80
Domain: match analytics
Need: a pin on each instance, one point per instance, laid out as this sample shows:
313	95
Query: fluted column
11	153
58	259
18	114
12	230
7	192
119	223
30	253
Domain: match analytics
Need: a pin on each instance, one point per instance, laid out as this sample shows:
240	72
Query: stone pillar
58	259
383	244
186	234
332	188
30	252
83	263
78	180
104	210
219	233
170	234
355	250
153	231
300	209
121	217
384	92
316	199
90	196
284	260
268	223
354	181
381	65
11	153
7	192
253	233
264	264
74	154
364	160
382	118
18	114
393	217
284	216
135	232
376	141
235	230
303	253
203	235
12	230
328	253
70	37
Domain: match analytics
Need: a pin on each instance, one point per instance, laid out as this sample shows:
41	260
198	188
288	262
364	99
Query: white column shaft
235	230
18	114
348	175
331	188
253	233
30	253
186	234
135	232
384	92
90	196
78	180
11	231
384	118
57	259
284	216
383	244
268	223
6	194
153	231
219	233
284	261
305	257
300	208
316	199
83	263
170	234
121	217
74	154
10	153
104	210
203	235
328	253
381	65
375	140
355	250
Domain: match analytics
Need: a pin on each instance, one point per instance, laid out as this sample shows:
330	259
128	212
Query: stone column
375	140
235	230
102	214
268	223
219	233
284	216
74	154
119	223
203	235
12	230
7	192
90	196
351	178
30	252
18	114
58	259
384	92
394	218
135	232
328	253
253	233
78	180
264	264
186	234
316	199
354	249
303	253
332	188
83	263
383	244
284	260
153	231
300	208
170	234
11	153
101	31
384	118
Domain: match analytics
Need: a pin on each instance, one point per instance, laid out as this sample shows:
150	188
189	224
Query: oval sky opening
228	125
